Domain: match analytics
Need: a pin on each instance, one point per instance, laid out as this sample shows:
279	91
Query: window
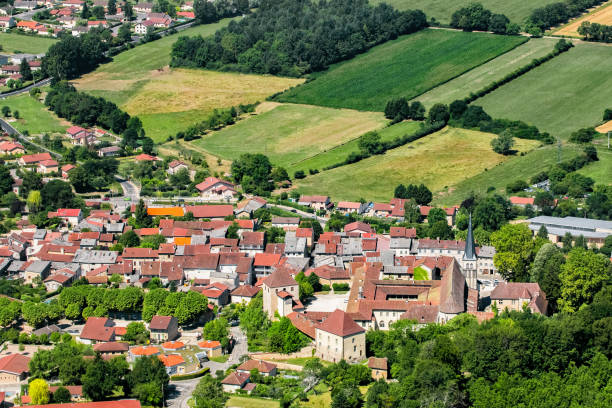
353	340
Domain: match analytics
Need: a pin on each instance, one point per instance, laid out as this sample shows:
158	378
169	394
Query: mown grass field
601	15
600	171
499	176
169	100
340	152
34	116
481	76
13	43
290	133
250	402
440	160
408	66
567	93
442	10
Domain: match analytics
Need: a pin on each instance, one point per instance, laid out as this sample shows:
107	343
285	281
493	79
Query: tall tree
545	271
25	70
514	251
209	393
112	7
583	274
39	391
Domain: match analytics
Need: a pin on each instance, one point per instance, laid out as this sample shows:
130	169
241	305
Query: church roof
470	249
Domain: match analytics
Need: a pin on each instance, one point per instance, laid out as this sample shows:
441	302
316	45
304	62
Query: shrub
340	287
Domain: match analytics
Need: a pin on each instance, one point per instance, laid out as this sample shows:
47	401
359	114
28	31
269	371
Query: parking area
328	303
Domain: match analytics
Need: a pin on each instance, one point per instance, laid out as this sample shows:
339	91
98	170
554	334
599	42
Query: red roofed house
266	369
338	337
11	148
212	212
264	263
185	14
347	207
175	363
244	293
76	391
66	169
7	22
380	210
14	368
47	166
279	292
214	189
30	159
379	367
175	166
235	381
97	329
316	202
74	132
145	157
522	201
163	328
212	348
514	295
70	216
358	227
138	256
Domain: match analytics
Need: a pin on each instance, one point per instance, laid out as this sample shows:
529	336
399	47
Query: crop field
567	93
601	15
34	116
408	66
13	43
442	10
290	133
340	152
499	176
440	160
481	76
169	100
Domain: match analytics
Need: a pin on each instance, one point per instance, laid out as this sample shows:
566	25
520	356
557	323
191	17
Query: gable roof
98	328
15	364
245	291
236	378
261	366
278	279
160	322
211	182
340	324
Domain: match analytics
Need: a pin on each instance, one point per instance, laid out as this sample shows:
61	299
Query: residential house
316	202
266	369
214	189
90	260
252	243
175	166
522	201
213	212
36	269
328	274
138	256
279	291
14	368
286	223
76	391
347	207
212	348
109	151
7	22
143	7
66	169
163	328
33	159
235	381
47	167
217	293
379	367
381	210
97	329
244	294
358	227
265	263
514	296
338	337
70	216
174	363
247	207
11	148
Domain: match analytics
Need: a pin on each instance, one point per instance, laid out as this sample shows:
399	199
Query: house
97	329
380	210
74	132
185	14
31	159
66	168
347	207
295	247
514	296
328	274
252	243
266	369
214	189
11	148
279	290
109	151
112	348
213	212
338	337
70	216
244	293
217	293
76	391
163	328
138	256
47	166
286	223
211	347
379	367
358	227
7	22
143	7
36	269
78	4
174	363
14	368
316	202
175	166
595	231
28	26
235	381
522	201
141	28
90	260
59	279
143	351
247	207
265	263
450	213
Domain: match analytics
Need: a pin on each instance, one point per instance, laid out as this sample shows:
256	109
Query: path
301	213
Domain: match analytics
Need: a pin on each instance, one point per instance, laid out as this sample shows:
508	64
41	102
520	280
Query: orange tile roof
171	360
165	211
182	240
211	344
174	345
144	351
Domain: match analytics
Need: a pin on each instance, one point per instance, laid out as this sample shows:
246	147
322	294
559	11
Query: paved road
27	88
301	213
130	189
8	128
182	390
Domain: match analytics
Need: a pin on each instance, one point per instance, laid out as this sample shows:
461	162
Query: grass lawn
408	66
13	43
220	359
567	93
420	274
34	116
601	15
442	10
601	170
289	134
479	77
519	167
340	152
324	400
251	402
442	159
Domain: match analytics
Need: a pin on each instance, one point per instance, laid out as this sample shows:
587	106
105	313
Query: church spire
470	249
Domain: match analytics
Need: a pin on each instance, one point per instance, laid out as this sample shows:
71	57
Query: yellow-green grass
409	66
517	168
34	116
440	160
291	133
324	400
251	402
420	274
442	10
566	93
601	170
301	361
339	153
171	100
13	43
494	70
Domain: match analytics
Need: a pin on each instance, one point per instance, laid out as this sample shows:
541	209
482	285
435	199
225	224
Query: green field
567	93
600	171
251	402
408	66
440	160
479	77
34	116
442	10
339	153
288	134
13	43
517	168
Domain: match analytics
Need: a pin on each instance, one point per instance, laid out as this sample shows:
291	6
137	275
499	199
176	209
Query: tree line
296	37
475	17
556	13
218	119
595	32
207	12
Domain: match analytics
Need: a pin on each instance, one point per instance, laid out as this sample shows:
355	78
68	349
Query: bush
339	287
299	174
325	288
516	186
584	135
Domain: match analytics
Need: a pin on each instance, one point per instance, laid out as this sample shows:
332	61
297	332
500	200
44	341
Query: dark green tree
25	70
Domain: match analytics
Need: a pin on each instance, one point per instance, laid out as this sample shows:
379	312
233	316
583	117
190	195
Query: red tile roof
348	205
522	200
98	328
144	351
111	347
266	259
245	291
278	279
173	345
160	322
15	364
171	360
35	158
209	344
210	182
261	366
68	212
236	378
210	211
139	253
340	324
378	363
145	157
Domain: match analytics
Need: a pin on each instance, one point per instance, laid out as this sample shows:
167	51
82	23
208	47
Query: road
301	213
27	88
182	390
8	128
